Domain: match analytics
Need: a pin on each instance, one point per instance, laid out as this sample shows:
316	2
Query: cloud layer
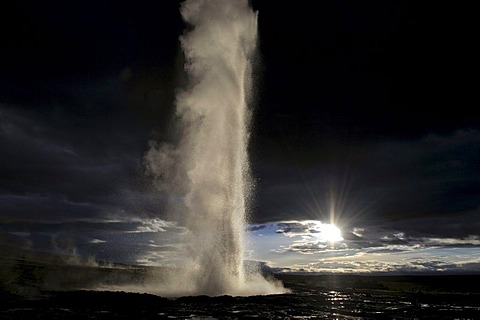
296	246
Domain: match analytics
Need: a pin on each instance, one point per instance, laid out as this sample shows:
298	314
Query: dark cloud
348	71
47	176
361	110
292	228
121	241
255	227
434	176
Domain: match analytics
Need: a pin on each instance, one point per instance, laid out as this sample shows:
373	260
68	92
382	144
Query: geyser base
175	283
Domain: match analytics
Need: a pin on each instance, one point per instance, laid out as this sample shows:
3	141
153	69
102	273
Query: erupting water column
217	52
208	167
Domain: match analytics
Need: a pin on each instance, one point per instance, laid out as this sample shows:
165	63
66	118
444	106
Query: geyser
208	167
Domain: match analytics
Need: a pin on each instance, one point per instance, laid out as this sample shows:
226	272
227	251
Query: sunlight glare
328	232
331	233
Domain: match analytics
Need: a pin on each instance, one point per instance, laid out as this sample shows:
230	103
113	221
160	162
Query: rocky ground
48	288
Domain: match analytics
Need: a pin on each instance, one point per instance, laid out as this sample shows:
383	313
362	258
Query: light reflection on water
366	305
307	303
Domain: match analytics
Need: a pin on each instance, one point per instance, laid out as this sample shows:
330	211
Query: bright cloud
300	246
153	225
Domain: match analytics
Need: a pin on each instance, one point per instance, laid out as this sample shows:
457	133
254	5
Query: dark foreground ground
45	290
313	297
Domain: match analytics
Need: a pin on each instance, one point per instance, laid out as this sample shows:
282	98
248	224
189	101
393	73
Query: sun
325	232
330	233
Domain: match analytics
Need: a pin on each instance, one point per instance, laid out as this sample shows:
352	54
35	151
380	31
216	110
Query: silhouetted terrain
38	286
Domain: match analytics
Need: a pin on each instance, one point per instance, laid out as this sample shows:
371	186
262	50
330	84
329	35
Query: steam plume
208	168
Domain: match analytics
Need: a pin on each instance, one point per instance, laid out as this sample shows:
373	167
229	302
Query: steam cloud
208	167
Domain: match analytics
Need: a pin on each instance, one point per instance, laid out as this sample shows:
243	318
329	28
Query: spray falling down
209	167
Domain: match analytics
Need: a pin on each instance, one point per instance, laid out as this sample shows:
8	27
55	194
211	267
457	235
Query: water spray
209	167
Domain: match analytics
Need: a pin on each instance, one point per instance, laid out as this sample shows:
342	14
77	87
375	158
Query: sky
363	116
